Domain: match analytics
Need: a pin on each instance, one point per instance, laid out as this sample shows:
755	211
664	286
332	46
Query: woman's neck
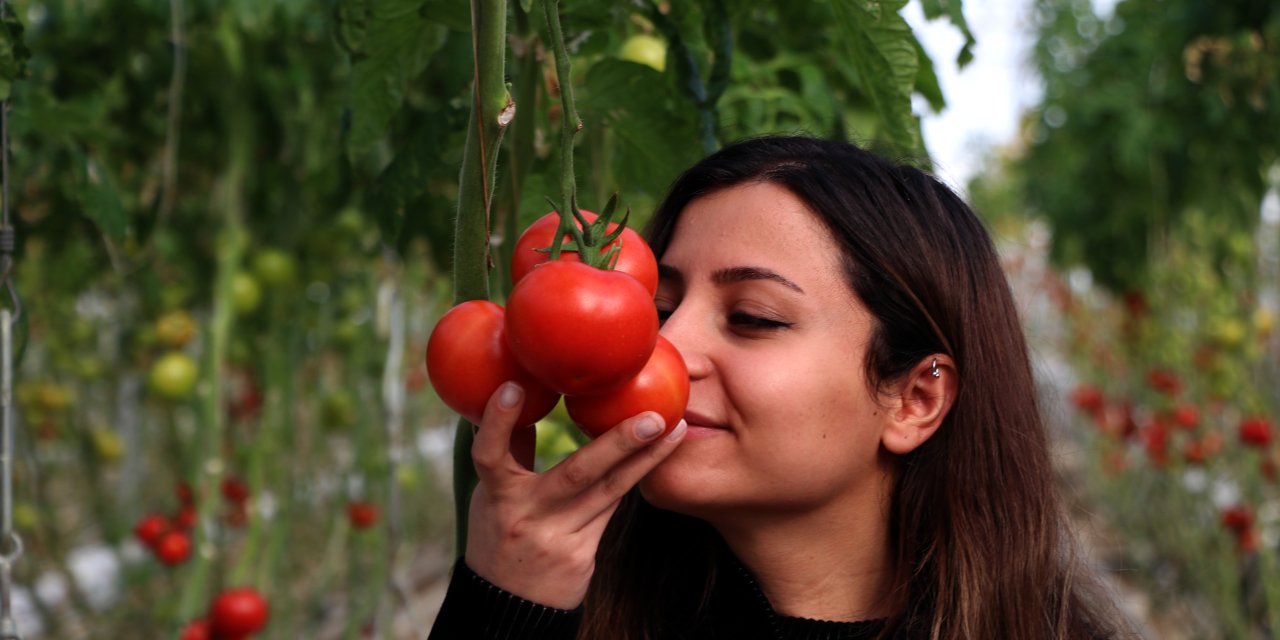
833	564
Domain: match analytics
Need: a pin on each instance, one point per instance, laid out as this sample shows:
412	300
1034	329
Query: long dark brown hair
980	541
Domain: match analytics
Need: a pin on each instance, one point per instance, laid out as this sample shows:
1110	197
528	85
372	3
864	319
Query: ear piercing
933	369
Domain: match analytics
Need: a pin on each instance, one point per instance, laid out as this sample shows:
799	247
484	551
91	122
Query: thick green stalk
491	111
210	465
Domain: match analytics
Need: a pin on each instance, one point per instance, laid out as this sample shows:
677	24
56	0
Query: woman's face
780	415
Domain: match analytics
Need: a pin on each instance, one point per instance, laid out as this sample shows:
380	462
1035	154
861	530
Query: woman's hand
535	535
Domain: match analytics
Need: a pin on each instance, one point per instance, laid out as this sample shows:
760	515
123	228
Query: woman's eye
749	321
663	314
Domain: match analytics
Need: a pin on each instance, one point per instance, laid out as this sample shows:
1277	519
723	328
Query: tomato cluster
168	537
570	329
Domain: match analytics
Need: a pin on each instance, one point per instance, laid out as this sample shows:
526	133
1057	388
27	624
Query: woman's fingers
596	476
491	449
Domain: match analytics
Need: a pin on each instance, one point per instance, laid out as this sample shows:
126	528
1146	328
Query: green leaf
405	179
653	131
450	13
954	10
100	198
13	51
396	46
884	54
351	23
927	81
719	32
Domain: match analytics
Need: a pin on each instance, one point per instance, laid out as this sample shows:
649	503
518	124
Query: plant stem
570	125
491	111
520	151
208	457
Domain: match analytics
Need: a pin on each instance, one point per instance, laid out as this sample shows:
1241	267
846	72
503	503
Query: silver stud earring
933	369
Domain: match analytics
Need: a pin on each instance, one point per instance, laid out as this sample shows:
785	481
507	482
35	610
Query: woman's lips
702	426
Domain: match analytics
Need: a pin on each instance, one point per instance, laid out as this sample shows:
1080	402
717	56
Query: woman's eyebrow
670	273
742	274
731	275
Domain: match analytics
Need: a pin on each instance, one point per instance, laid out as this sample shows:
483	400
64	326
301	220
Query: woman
863	455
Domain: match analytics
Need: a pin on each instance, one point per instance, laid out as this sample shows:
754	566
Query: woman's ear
920	403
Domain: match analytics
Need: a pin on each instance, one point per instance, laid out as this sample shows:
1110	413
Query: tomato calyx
589	237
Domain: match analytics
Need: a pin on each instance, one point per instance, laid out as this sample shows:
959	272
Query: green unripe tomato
645	49
275	267
107	444
173	376
246	295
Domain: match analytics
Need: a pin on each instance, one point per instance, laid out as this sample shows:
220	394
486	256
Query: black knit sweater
475	609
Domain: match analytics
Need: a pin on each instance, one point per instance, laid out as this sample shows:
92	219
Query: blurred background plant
235	223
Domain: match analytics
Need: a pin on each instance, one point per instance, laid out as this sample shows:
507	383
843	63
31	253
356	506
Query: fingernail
510	395
648	427
678	432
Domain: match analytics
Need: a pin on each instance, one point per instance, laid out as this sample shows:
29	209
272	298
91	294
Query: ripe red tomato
362	514
196	630
173	548
1255	431
235	490
662	386
580	330
1237	518
236	613
1186	415
635	257
468	359
151	528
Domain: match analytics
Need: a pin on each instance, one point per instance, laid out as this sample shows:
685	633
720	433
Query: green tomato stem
570	125
491	112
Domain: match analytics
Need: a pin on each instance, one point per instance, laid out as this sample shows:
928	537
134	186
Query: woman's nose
683	330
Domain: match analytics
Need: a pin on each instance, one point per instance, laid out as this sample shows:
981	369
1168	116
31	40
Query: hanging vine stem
571	124
169	155
492	110
589	238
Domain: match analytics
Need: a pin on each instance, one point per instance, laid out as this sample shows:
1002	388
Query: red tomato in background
236	613
196	630
468	359
235	490
173	548
662	386
635	257
362	514
580	330
151	528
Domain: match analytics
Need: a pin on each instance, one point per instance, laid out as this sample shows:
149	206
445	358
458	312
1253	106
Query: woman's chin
676	487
